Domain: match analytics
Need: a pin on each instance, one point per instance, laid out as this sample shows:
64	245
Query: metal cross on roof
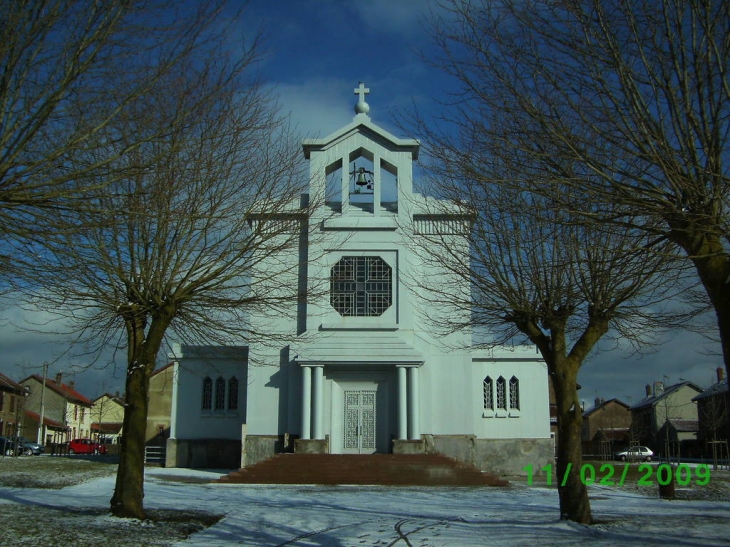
362	91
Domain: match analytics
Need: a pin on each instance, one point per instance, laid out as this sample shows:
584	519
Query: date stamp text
609	474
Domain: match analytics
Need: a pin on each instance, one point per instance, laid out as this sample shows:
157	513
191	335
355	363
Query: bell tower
362	172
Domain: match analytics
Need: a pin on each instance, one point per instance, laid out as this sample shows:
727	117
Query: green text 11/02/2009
611	475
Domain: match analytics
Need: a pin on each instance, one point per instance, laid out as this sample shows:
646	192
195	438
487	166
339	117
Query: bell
361	180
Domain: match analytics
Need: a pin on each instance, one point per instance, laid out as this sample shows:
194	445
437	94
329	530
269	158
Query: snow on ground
350	516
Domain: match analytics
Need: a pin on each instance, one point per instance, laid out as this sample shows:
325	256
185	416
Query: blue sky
316	53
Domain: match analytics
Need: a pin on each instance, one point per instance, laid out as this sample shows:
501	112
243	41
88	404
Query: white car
635	453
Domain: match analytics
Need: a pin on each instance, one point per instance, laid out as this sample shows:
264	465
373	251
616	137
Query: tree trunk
574	503
127	501
703	244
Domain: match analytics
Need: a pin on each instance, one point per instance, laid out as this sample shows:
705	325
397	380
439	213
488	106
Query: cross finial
362	107
362	91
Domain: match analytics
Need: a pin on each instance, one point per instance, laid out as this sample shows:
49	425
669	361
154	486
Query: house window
233	393
207	403
514	393
2	400
361	286
12	404
488	393
220	394
501	393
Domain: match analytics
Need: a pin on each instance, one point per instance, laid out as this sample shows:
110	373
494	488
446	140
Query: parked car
637	453
30	447
7	446
86	446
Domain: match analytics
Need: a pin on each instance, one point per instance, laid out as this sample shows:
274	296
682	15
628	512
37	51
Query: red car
85	446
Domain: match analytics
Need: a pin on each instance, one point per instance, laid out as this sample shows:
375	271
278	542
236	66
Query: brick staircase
385	469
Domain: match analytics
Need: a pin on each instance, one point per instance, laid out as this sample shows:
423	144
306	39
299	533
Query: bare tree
171	247
68	70
532	270
637	93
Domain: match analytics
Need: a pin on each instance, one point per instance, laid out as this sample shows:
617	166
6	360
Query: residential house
606	427
674	403
713	412
11	403
160	405
107	418
66	412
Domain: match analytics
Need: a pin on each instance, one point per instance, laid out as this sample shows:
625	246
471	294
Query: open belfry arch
364	370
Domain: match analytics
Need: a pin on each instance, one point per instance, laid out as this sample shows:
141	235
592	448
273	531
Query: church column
414	405
306	402
318	400
402	404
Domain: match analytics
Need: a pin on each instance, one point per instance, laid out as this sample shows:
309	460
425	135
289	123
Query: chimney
59	378
648	390
658	388
720	374
598	401
71	384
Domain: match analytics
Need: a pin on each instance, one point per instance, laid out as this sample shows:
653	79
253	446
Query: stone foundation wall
203	453
498	456
257	448
402	446
311	446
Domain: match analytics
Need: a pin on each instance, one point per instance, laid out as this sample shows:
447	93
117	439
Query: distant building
66	412
11	395
713	413
674	403
108	417
160	405
606	427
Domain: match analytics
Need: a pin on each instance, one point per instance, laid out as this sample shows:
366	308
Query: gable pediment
361	127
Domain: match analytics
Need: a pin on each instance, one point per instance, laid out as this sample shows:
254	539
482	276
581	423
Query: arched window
207	401
514	393
501	393
220	393
488	393
233	393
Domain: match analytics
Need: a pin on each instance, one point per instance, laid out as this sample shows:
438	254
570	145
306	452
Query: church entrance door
359	422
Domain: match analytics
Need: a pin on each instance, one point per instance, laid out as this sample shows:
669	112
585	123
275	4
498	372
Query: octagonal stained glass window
361	286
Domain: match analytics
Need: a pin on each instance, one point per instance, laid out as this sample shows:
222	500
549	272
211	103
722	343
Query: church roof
520	353
362	125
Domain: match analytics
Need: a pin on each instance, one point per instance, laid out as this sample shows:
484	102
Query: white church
363	370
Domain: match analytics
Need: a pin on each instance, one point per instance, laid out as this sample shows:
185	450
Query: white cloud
401	16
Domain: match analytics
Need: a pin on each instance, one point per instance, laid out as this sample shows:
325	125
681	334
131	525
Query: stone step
371	469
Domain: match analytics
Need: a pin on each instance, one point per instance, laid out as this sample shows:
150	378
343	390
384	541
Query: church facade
364	369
